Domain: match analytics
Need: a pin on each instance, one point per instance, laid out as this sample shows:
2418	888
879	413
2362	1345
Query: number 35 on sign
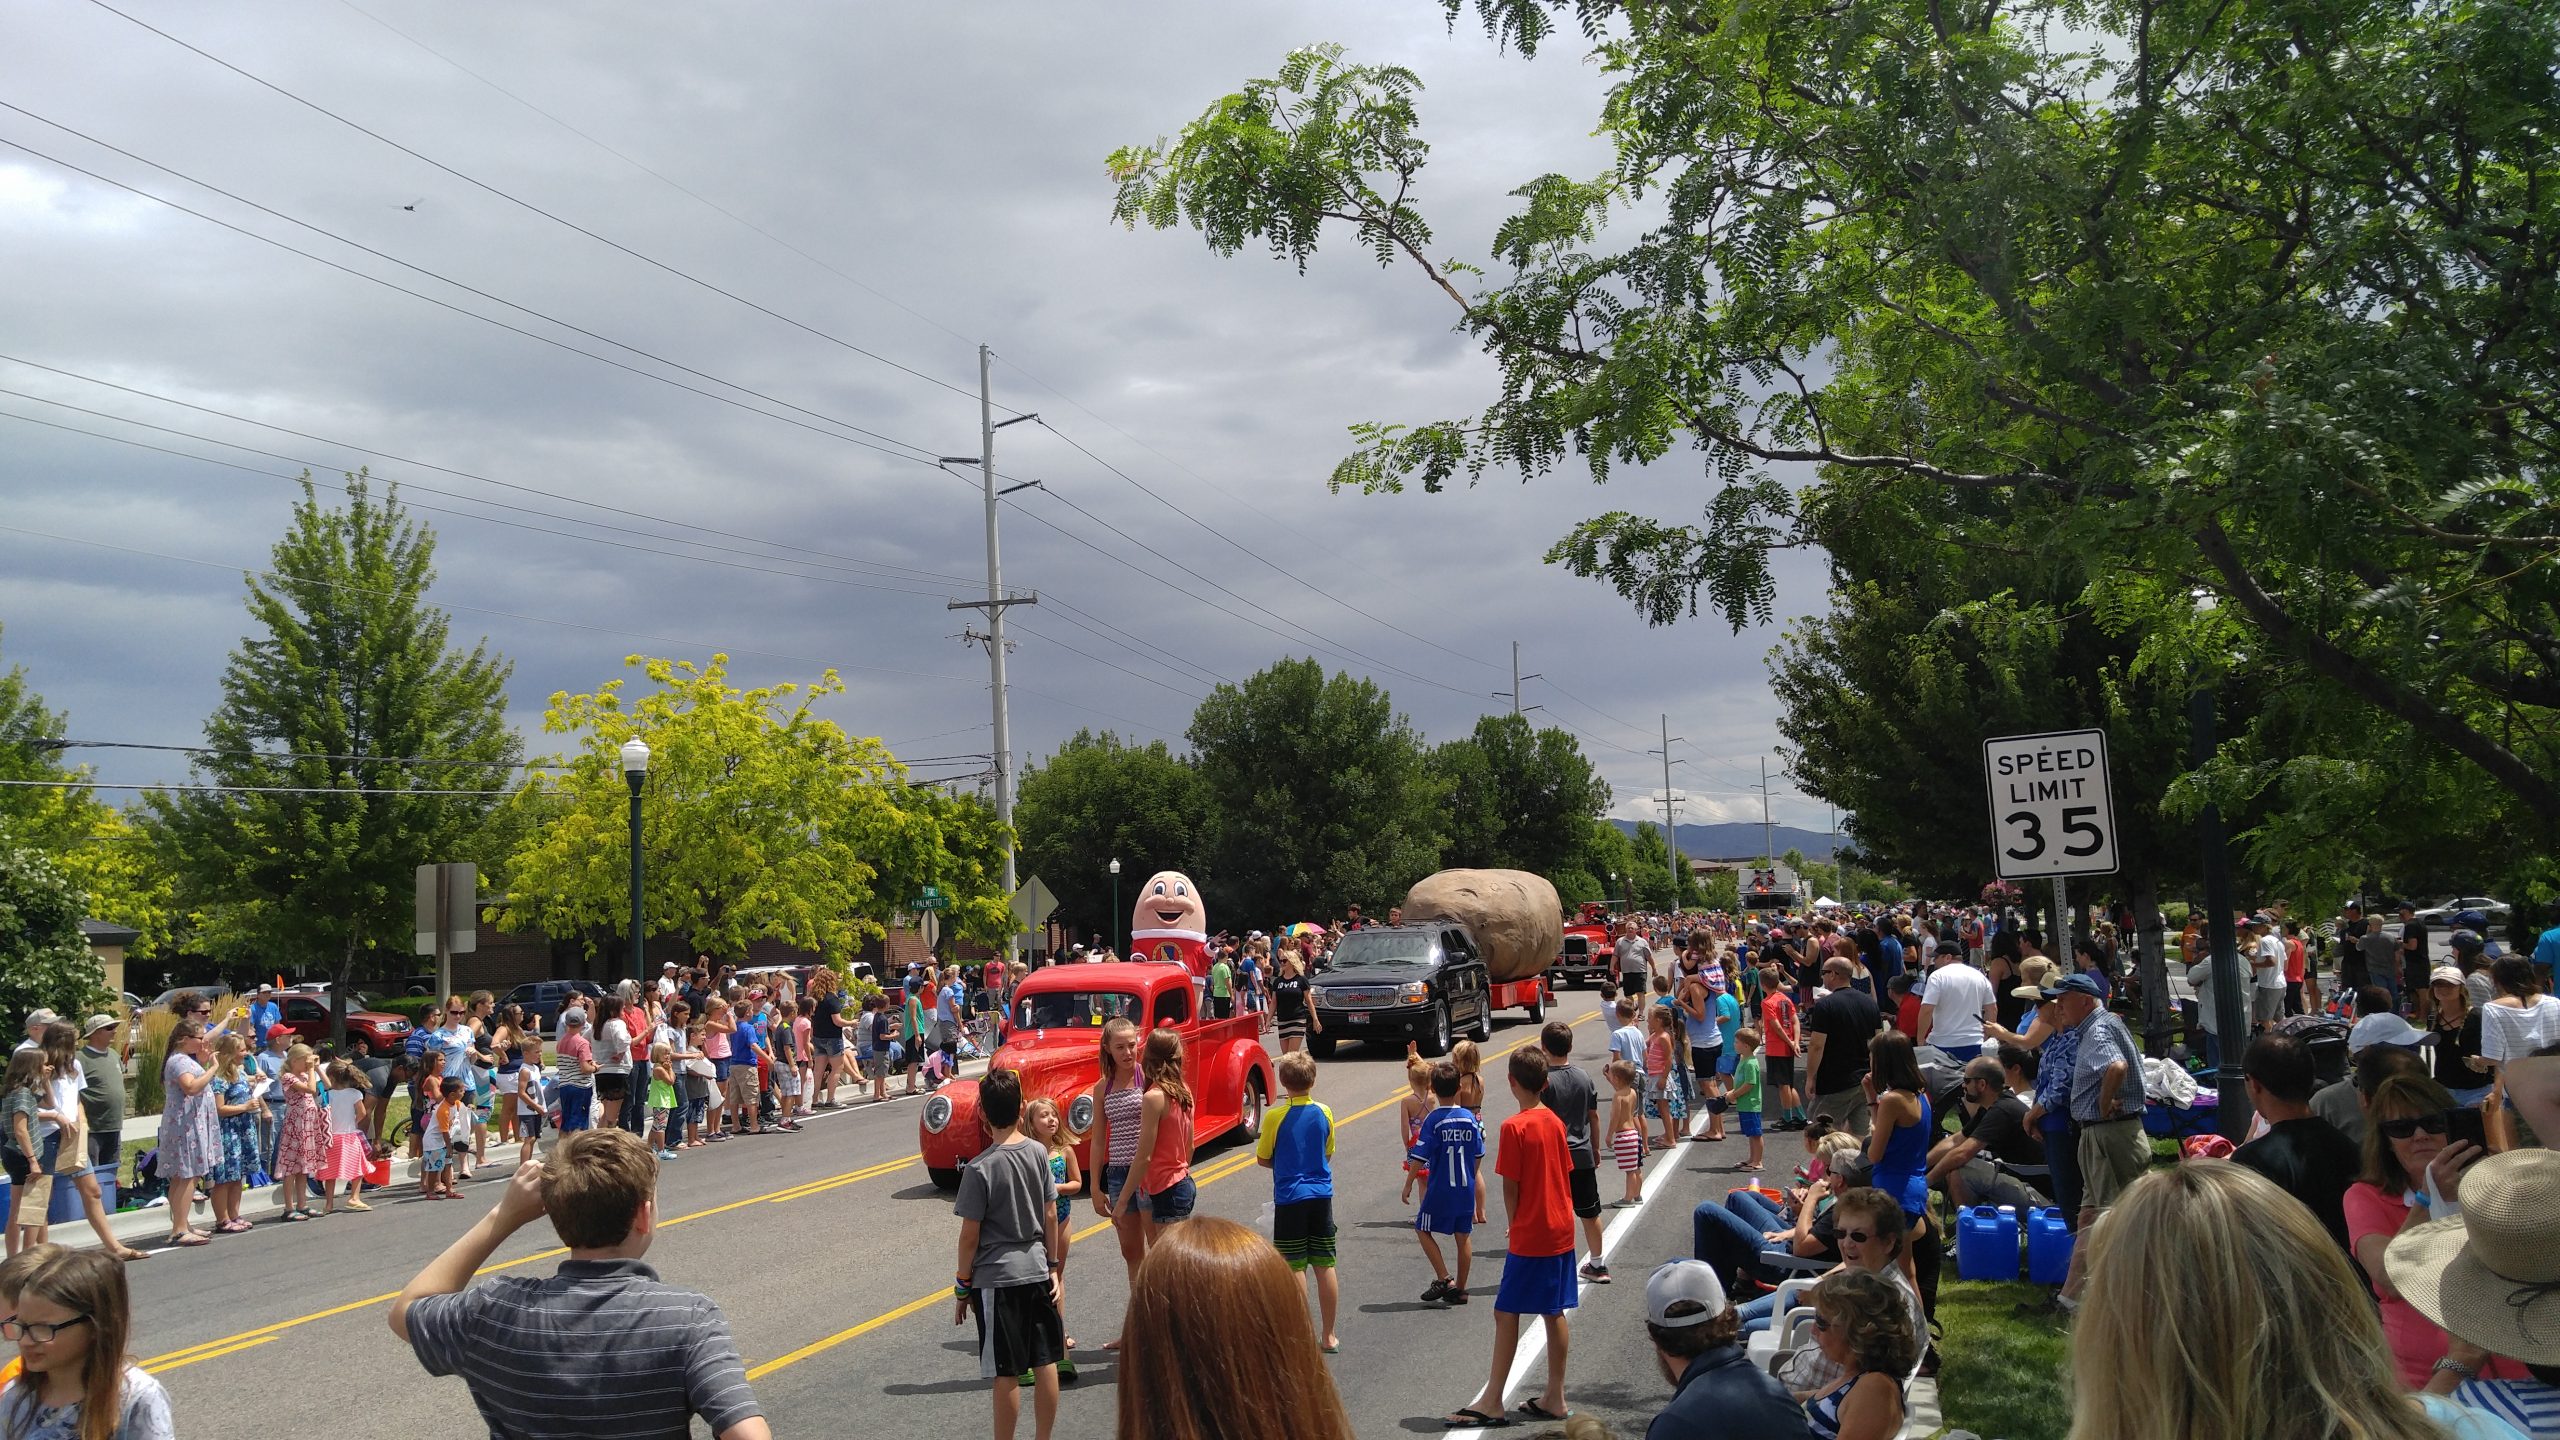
2051	810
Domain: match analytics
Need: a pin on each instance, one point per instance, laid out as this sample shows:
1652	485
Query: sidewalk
137	1227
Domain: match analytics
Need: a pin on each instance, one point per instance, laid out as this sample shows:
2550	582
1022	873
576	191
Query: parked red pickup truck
1053	1039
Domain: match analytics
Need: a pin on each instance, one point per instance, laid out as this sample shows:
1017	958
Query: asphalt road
831	1253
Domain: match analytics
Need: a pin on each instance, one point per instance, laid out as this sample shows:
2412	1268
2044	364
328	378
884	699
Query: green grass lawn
2002	1375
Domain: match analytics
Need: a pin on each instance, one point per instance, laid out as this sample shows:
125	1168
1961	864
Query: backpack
415	1047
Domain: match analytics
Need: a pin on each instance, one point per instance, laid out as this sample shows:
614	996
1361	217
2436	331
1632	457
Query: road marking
1532	1354
190	1354
1210	1175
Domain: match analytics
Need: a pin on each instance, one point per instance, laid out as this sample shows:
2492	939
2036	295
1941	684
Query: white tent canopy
1826	903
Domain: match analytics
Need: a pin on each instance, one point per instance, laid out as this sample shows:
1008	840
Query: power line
881	295
1241	548
432	509
922	455
421	761
242	789
516	486
532	208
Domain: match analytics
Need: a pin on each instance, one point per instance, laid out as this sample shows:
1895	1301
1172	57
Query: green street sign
930	898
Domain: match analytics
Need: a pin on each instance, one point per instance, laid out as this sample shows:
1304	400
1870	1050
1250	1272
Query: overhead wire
530	207
700	645
677	272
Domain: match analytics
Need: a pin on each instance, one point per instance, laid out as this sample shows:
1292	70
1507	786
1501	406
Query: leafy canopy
1100	799
760	819
2248	300
354	742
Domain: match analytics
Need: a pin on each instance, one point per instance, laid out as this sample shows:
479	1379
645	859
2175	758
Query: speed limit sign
2051	810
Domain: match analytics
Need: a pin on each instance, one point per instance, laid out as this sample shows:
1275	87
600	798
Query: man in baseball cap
1718	1394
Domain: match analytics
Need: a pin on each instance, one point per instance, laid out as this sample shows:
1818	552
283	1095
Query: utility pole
994	606
1516	678
1839	867
1670	824
1768	833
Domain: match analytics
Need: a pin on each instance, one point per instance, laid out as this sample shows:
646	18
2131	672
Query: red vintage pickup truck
1053	1039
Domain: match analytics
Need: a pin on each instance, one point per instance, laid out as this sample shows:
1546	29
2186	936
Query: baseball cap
2073	985
2444	975
41	1016
98	1023
2375	1030
573	1016
1683	1280
2472	919
278	1029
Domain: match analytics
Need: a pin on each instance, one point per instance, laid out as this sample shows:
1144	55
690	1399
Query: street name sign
2052	811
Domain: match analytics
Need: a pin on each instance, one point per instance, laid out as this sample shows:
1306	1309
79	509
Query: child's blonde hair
1620	1073
1658	1018
1033	1110
228	1049
1466	1057
662	1053
299	1058
1746	1040
1297	1071
1417	1073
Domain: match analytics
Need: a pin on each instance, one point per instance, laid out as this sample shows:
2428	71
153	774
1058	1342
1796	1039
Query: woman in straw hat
2490	1276
2199	1282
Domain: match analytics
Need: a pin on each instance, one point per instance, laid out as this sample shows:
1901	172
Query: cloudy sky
927	177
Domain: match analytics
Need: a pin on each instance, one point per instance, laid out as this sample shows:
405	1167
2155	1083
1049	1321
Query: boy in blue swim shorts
1447	1151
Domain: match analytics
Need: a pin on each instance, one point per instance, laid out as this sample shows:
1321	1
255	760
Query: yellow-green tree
760	820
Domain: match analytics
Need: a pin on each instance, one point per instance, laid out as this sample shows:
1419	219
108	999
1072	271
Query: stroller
147	1187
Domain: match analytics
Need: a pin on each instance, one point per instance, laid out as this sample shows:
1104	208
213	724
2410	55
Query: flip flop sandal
1473	1420
290	1216
1535	1411
190	1239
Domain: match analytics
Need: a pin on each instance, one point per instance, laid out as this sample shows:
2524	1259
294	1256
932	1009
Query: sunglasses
1856	1237
1821	1322
2436	1124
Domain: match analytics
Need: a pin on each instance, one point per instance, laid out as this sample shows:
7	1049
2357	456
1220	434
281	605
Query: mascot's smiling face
1169	901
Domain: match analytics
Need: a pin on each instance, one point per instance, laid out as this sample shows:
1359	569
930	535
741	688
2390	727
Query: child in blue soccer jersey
1297	1148
1446	1153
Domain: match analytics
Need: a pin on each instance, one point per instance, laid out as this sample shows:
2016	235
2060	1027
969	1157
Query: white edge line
1532	1353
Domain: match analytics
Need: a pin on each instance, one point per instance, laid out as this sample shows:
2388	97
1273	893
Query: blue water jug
1987	1243
2048	1247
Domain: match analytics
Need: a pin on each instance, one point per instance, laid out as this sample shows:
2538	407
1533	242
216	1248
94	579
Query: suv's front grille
1356	997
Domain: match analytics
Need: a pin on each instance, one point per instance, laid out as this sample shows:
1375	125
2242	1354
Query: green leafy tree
1099	799
128	883
44	961
1720	890
1518	797
354	742
760	819
2251	301
1319	796
45	805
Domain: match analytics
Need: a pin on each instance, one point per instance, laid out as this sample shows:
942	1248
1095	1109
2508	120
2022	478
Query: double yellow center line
1210	1174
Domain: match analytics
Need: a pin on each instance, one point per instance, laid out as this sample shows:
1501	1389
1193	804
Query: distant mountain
1742	841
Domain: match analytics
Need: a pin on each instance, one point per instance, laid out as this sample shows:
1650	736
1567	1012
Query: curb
136	1227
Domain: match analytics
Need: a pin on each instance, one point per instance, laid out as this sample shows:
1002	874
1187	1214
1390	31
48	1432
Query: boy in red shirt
1536	1166
1779	1042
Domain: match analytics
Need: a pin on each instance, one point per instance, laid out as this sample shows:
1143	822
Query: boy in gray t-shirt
1009	1228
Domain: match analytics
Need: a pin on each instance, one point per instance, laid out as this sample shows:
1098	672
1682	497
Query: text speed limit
2051	810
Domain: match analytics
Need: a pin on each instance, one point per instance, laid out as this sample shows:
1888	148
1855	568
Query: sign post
448	922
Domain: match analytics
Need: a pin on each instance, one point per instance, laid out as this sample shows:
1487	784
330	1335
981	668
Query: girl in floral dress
190	1131
235	1106
302	1139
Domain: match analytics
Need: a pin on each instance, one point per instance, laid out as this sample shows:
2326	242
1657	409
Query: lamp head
635	757
1115	867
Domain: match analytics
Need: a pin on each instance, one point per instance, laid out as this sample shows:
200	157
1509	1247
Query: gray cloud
947	157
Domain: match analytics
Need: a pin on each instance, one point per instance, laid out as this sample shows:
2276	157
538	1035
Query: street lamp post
1115	907
635	769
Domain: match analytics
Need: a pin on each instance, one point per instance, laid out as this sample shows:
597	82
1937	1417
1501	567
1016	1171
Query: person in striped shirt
602	1334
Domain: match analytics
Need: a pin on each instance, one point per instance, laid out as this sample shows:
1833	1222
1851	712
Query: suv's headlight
1080	1113
1320	995
937	1114
1413	991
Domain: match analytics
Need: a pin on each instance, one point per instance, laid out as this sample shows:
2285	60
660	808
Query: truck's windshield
1375	947
1071	1009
